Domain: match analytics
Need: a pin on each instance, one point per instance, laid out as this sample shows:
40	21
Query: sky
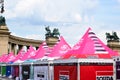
28	18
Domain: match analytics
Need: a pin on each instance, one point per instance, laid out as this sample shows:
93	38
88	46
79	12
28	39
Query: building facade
114	45
10	43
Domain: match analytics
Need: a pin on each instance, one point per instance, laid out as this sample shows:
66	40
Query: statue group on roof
112	37
49	33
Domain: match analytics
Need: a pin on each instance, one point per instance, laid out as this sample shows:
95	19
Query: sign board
25	72
40	72
104	75
96	72
65	72
64	75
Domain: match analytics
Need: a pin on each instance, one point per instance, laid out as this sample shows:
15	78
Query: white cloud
86	19
50	11
118	1
24	8
78	17
69	15
73	33
89	4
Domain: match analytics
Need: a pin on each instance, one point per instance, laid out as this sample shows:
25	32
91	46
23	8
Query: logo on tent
31	54
64	49
11	58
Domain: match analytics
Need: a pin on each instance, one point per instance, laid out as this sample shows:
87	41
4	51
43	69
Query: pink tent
40	52
71	54
3	57
10	57
30	52
46	49
19	55
60	48
90	45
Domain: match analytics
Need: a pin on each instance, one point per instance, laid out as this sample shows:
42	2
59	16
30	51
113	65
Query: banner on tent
25	72
64	75
104	78
40	72
3	70
104	75
65	72
0	70
96	72
8	71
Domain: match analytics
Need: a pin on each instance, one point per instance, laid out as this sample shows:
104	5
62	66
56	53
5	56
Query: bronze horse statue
112	37
48	34
55	32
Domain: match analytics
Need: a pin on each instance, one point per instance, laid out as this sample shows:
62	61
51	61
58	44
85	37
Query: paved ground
2	78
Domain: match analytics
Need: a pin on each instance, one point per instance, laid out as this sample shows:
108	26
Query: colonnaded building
114	45
113	41
10	43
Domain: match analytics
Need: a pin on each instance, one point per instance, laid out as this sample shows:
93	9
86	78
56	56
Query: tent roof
60	48
30	52
40	52
90	44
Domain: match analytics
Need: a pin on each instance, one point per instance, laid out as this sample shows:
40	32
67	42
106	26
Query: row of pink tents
89	46
42	52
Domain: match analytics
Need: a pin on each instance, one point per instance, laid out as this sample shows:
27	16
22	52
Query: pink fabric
77	48
80	42
90	44
19	56
110	51
3	57
30	52
10	57
40	52
85	45
60	48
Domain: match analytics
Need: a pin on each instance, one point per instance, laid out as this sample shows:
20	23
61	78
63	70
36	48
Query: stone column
114	45
20	47
10	47
15	49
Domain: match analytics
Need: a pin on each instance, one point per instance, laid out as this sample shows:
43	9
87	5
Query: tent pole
114	69
78	70
0	70
49	70
20	69
31	71
50	73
